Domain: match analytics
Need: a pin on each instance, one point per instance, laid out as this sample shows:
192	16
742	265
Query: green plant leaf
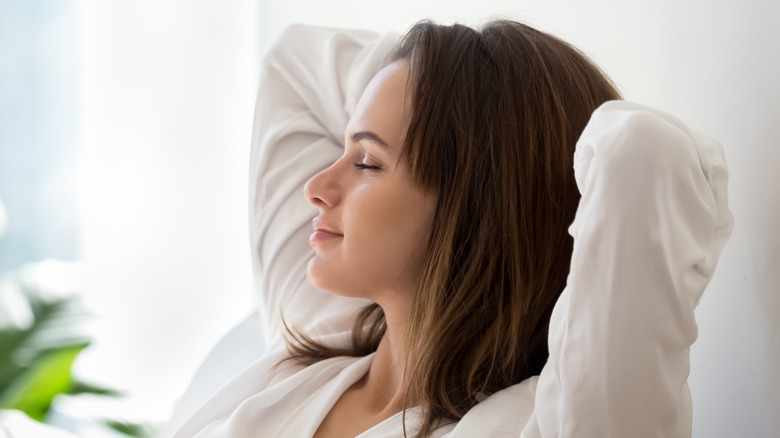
81	387
33	391
54	325
36	359
135	430
10	342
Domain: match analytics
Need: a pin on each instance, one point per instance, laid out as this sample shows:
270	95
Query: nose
322	189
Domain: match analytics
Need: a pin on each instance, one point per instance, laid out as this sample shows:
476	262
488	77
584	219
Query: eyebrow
371	136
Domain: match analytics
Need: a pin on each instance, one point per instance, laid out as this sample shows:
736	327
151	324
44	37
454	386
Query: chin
315	277
311	276
325	279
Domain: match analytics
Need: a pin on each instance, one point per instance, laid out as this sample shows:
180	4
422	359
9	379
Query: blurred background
124	143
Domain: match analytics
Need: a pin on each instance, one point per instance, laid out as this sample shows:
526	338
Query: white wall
168	93
716	65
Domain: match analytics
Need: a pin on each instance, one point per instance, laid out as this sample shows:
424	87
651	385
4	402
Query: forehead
381	107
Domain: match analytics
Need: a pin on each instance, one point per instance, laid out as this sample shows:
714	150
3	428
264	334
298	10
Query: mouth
323	232
322	235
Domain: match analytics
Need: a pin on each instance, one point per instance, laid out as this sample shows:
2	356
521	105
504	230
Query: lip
322	232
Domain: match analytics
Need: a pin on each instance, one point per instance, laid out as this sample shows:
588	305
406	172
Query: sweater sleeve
648	232
311	81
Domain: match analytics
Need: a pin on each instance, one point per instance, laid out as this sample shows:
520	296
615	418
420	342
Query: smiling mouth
322	232
323	235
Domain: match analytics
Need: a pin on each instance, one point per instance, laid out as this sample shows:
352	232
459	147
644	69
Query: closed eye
363	166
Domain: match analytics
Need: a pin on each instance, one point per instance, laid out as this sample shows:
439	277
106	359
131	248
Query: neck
385	379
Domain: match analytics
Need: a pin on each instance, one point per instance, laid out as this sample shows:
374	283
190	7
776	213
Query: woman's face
372	232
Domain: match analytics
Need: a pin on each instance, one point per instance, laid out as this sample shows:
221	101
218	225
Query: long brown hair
495	116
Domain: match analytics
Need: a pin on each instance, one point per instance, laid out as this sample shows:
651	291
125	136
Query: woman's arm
647	236
311	81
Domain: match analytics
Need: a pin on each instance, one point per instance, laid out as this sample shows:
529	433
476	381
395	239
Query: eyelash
362	166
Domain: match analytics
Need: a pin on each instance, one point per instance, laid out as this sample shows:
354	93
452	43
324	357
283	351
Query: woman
440	232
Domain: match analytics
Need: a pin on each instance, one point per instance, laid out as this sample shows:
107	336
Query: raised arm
647	236
311	81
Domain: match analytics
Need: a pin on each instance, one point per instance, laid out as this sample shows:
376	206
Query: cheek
386	234
391	231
